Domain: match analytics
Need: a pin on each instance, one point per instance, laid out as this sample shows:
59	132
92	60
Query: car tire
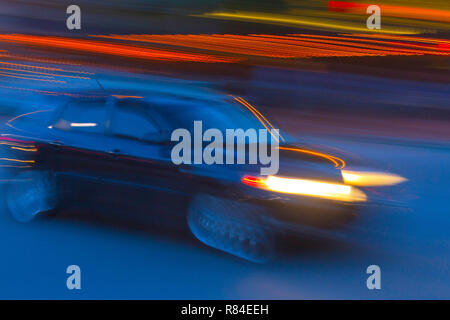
231	226
31	194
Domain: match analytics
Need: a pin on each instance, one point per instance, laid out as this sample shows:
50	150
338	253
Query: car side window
131	120
83	116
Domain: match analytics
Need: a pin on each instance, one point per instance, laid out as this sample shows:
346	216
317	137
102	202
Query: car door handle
56	143
114	152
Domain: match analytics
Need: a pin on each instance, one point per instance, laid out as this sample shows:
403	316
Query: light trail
285	47
114	49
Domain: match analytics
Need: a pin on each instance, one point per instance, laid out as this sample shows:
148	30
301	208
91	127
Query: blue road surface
409	242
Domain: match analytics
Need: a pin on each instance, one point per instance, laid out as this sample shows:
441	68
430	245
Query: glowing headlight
307	187
365	178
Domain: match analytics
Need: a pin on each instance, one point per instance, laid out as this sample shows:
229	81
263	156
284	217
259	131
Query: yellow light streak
313	188
291	20
366	178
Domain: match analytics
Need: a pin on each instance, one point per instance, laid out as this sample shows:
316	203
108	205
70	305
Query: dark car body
112	155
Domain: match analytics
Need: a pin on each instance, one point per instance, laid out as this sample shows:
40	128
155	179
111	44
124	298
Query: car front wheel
232	226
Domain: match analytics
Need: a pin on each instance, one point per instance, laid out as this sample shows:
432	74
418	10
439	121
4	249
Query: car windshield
220	115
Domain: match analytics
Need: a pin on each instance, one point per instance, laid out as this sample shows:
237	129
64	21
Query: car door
78	153
149	186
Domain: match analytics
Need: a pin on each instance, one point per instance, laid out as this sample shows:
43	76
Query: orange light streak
256	115
395	37
387	44
48	75
53	93
114	49
17	160
333	159
28	113
242	100
42	68
40	60
24	149
10	75
8	123
125	97
290	46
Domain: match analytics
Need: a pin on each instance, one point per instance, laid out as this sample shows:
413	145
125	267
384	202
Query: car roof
148	96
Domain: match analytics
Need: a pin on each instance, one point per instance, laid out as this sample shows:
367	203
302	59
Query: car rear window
83	115
131	120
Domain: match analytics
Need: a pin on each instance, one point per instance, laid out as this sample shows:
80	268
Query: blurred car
111	154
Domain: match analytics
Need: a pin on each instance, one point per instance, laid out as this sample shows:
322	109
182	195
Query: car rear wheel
231	226
30	194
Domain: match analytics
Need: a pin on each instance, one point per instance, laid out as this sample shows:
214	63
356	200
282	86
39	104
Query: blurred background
313	67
